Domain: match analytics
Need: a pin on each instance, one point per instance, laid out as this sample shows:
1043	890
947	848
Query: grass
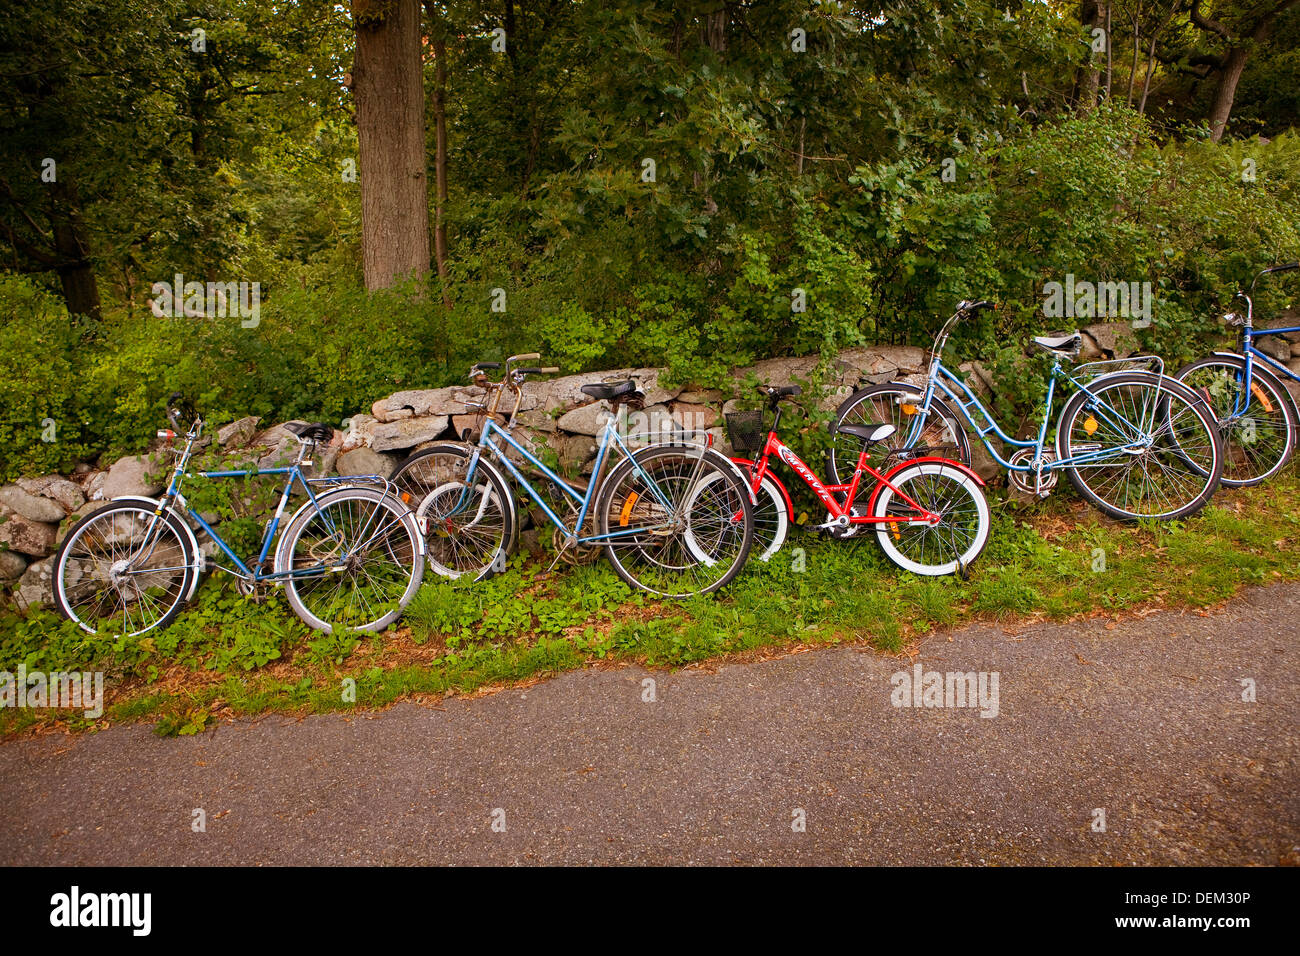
229	657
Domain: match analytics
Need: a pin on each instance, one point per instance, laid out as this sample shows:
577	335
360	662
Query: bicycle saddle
310	431
869	433
608	391
1065	344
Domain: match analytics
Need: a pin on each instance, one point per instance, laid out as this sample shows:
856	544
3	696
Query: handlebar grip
982	304
529	357
550	370
494	365
1285	267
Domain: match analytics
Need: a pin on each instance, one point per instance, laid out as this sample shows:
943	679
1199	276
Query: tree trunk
1087	79
388	84
440	164
1233	65
72	247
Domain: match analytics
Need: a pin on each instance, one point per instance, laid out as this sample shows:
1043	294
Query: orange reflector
909	409
1090	425
406	497
627	509
1261	396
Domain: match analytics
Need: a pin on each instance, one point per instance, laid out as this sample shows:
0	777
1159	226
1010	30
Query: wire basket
745	431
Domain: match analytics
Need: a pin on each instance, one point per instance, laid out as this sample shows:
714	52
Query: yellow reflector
1090	425
909	409
1261	396
627	509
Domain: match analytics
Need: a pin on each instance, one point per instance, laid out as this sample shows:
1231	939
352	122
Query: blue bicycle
351	555
1134	442
1257	414
674	518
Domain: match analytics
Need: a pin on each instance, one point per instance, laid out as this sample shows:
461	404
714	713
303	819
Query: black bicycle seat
608	391
869	433
310	431
1065	344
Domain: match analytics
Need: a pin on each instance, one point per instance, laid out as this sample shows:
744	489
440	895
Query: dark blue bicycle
1257	414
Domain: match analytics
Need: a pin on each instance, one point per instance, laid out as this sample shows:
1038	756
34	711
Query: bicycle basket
745	431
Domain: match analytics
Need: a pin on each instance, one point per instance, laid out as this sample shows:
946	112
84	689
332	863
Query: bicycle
663	527
929	513
349	556
1134	442
1257	414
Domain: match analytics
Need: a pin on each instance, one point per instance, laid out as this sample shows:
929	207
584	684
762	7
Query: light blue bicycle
674	518
1134	442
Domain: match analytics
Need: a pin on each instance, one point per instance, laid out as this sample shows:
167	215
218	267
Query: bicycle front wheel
354	560
1258	428
124	569
1144	446
675	524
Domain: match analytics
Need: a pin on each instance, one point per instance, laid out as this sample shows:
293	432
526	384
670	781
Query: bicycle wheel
1151	446
124	569
438	465
1258	430
357	560
468	529
948	545
683	525
895	404
771	512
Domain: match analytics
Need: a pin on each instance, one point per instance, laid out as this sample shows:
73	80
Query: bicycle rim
1256	428
355	561
113	574
951	544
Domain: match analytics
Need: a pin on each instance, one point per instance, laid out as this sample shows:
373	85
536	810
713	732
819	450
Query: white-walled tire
948	547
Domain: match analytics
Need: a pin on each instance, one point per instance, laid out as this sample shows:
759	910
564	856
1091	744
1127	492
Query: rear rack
1140	363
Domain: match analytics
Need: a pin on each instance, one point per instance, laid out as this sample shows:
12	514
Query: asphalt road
1143	719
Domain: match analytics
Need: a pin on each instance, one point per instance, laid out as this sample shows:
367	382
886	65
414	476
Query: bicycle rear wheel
123	569
1150	446
1257	429
680	525
894	404
357	559
950	544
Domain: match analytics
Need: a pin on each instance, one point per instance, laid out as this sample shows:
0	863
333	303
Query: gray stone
36	586
574	451
238	433
33	538
421	403
29	505
1112	339
357	432
135	475
1275	346
12	565
703	396
391	436
690	415
366	461
585	420
56	488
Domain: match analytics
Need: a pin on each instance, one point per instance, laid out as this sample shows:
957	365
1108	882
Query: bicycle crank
1039	480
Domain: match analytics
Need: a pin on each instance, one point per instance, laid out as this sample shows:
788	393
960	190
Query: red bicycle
929	513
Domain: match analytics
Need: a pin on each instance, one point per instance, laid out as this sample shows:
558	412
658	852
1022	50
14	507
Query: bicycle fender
745	464
200	560
936	459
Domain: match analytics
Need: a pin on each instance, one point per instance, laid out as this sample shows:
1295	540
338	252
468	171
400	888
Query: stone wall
35	513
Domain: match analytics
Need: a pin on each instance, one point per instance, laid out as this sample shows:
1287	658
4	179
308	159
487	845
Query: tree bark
1087	79
72	247
388	83
440	164
1234	63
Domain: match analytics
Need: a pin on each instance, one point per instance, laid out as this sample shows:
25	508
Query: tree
388	86
1240	27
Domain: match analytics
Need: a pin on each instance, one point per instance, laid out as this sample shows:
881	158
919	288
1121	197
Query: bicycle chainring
1027	482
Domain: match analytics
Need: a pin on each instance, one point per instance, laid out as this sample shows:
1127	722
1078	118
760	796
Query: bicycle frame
1250	353
968	405
175	502
609	436
826	493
